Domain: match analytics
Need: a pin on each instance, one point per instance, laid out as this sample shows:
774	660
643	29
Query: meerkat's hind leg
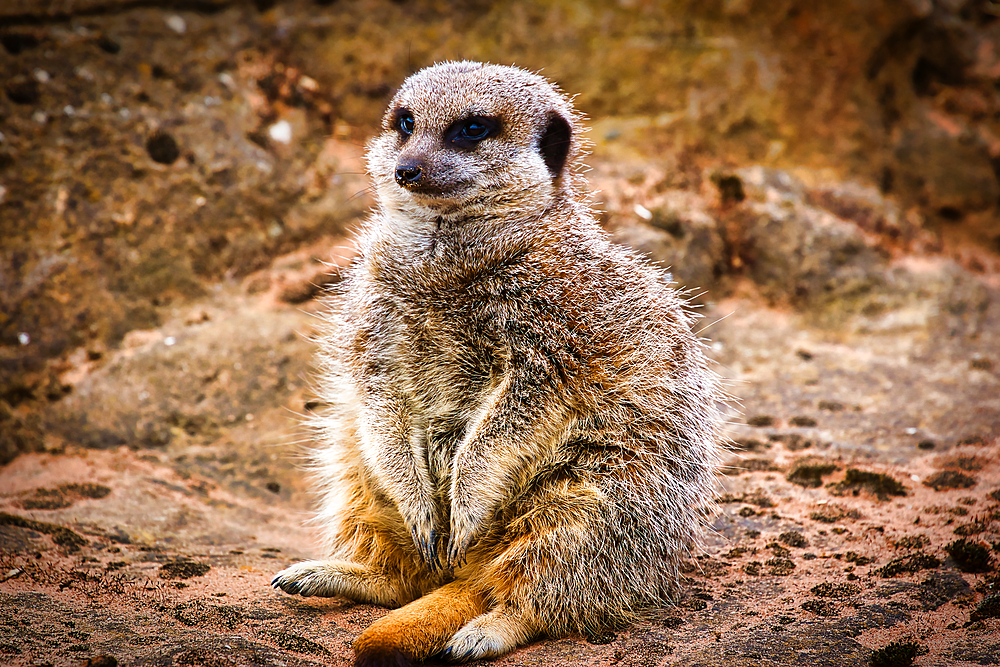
489	635
330	578
418	631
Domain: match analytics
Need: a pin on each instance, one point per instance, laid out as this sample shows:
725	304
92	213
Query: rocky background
178	182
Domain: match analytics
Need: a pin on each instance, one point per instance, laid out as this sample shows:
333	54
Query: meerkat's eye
474	131
467	133
405	122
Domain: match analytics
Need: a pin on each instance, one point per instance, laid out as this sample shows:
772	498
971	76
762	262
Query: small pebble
281	132
177	24
643	212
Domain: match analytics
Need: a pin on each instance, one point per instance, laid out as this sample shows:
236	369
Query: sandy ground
162	555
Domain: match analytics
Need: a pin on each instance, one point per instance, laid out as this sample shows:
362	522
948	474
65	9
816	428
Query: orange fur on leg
419	630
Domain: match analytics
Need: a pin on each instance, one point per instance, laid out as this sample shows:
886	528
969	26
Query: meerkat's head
464	139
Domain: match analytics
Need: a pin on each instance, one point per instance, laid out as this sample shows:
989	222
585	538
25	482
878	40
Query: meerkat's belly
447	383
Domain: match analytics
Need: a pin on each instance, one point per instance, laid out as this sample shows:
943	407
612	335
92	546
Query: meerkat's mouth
433	195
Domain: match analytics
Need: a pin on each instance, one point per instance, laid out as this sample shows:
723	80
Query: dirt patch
918	541
809	473
761	421
833	513
897	654
296	643
908	565
780	567
987	522
988	608
970	556
881	485
757	497
742	466
750	445
835	590
62	536
183	569
63	496
968	463
793	442
949	479
793	538
823	608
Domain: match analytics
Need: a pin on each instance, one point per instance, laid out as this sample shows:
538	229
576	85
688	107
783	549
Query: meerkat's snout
408	174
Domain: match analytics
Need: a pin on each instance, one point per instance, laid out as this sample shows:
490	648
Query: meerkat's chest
447	369
445	357
432	347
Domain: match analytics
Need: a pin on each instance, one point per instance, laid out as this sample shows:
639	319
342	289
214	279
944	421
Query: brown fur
524	432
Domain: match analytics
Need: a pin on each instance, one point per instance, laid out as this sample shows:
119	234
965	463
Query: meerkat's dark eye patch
404	122
468	132
554	144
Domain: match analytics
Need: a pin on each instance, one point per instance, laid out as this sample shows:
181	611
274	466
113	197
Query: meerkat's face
467	139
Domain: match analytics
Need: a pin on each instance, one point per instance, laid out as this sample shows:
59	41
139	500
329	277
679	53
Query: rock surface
177	188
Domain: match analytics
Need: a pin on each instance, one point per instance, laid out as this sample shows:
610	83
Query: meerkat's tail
419	630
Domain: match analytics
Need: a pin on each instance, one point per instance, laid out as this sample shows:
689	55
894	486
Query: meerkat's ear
554	144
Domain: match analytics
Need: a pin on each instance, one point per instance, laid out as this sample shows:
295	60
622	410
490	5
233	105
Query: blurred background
153	149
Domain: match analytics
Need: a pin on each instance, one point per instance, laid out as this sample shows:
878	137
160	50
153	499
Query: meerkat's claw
461	539
427	547
282	582
456	554
421	523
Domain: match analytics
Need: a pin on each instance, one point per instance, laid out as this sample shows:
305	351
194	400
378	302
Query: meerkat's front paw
311	577
492	634
420	520
464	528
469	645
329	578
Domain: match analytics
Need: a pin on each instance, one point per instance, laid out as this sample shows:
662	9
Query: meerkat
523	431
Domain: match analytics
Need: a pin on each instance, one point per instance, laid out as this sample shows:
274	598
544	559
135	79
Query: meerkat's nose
408	174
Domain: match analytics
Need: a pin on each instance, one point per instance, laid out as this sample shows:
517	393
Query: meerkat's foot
330	578
492	634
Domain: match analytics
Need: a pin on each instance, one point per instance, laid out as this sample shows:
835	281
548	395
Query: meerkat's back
523	432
